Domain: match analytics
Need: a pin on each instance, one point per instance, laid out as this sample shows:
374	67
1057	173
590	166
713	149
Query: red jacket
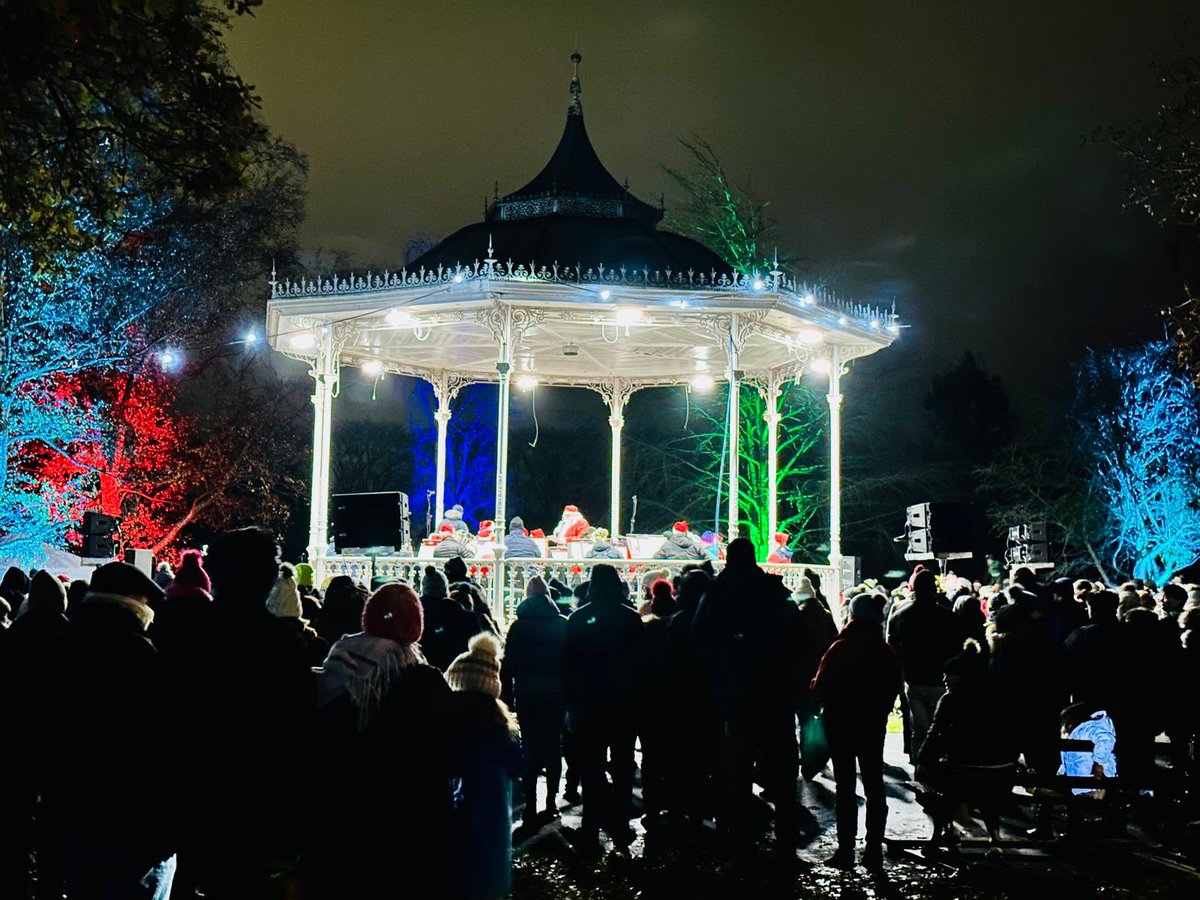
859	676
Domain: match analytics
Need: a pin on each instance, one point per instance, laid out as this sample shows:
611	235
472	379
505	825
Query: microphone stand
429	512
633	515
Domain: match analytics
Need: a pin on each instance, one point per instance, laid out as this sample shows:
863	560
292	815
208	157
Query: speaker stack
939	531
377	521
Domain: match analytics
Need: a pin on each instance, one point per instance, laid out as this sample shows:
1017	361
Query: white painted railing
515	572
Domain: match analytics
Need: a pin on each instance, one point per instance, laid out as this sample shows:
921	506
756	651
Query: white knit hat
284	600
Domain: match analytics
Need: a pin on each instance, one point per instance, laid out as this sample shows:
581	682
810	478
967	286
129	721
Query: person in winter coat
604	548
1095	655
448	626
454	542
454	518
818	631
657	759
385	713
601	666
924	635
342	610
966	761
13	588
254	717
114	805
747	630
517	543
485	756
284	604
695	724
680	545
857	682
532	677
27	653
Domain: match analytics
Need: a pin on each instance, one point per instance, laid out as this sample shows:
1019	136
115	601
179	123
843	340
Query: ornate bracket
616	393
446	386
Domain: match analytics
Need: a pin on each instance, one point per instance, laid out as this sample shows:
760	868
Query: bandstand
569	282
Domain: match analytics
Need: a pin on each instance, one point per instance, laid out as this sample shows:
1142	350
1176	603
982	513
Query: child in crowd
487	758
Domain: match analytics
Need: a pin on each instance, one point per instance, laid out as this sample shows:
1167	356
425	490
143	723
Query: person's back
603	651
1095	655
448	625
518	544
925	635
533	650
342	609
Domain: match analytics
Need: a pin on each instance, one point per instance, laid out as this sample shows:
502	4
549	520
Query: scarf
365	667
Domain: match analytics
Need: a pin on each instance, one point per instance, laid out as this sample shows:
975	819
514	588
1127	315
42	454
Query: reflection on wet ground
1149	860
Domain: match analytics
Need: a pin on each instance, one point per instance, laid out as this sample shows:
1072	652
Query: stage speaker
378	519
99	535
141	559
939	529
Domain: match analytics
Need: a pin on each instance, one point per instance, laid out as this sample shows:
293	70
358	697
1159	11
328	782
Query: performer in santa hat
571	526
779	549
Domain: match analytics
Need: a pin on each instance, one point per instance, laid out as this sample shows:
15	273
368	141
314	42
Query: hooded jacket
532	665
679	546
605	550
603	652
859	677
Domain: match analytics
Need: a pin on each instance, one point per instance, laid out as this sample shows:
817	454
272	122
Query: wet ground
1150	859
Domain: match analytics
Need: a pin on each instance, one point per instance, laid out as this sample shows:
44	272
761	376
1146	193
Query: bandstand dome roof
573	275
574	212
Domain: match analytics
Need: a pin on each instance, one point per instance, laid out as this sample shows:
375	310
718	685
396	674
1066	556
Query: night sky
934	154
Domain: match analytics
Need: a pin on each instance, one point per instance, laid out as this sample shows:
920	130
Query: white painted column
325	377
735	416
503	369
835	459
616	421
772	417
443	421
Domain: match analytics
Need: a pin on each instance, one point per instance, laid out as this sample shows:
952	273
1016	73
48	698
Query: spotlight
399	317
759	284
304	340
809	336
251	337
702	383
842	320
458	278
821	366
605	294
170	360
372	368
526	382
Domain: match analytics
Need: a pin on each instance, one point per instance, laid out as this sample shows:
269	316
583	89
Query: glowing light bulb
304	340
759	284
842	320
372	368
809	300
251	337
605	294
874	323
702	382
809	336
169	360
893	328
821	366
526	382
628	316
458	278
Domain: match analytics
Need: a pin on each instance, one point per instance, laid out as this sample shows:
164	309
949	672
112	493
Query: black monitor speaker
378	519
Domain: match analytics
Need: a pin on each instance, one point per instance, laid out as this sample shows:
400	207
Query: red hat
394	611
190	578
781	538
446	528
681	527
485	528
537	533
568	509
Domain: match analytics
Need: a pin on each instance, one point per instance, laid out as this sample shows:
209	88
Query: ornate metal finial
274	282
576	108
496	190
490	262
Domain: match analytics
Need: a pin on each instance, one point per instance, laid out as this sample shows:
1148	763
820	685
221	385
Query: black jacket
602	655
748	631
533	652
679	546
924	635
448	628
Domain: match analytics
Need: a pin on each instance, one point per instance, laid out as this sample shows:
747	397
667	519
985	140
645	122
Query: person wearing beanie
455	570
965	762
310	597
486	755
454	518
455	542
341	611
858	681
191	580
924	634
749	631
385	714
531	674
517	543
283	602
109	693
680	544
14	586
602	655
448	625
163	575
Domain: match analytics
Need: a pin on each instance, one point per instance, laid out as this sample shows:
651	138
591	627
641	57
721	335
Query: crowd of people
226	725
